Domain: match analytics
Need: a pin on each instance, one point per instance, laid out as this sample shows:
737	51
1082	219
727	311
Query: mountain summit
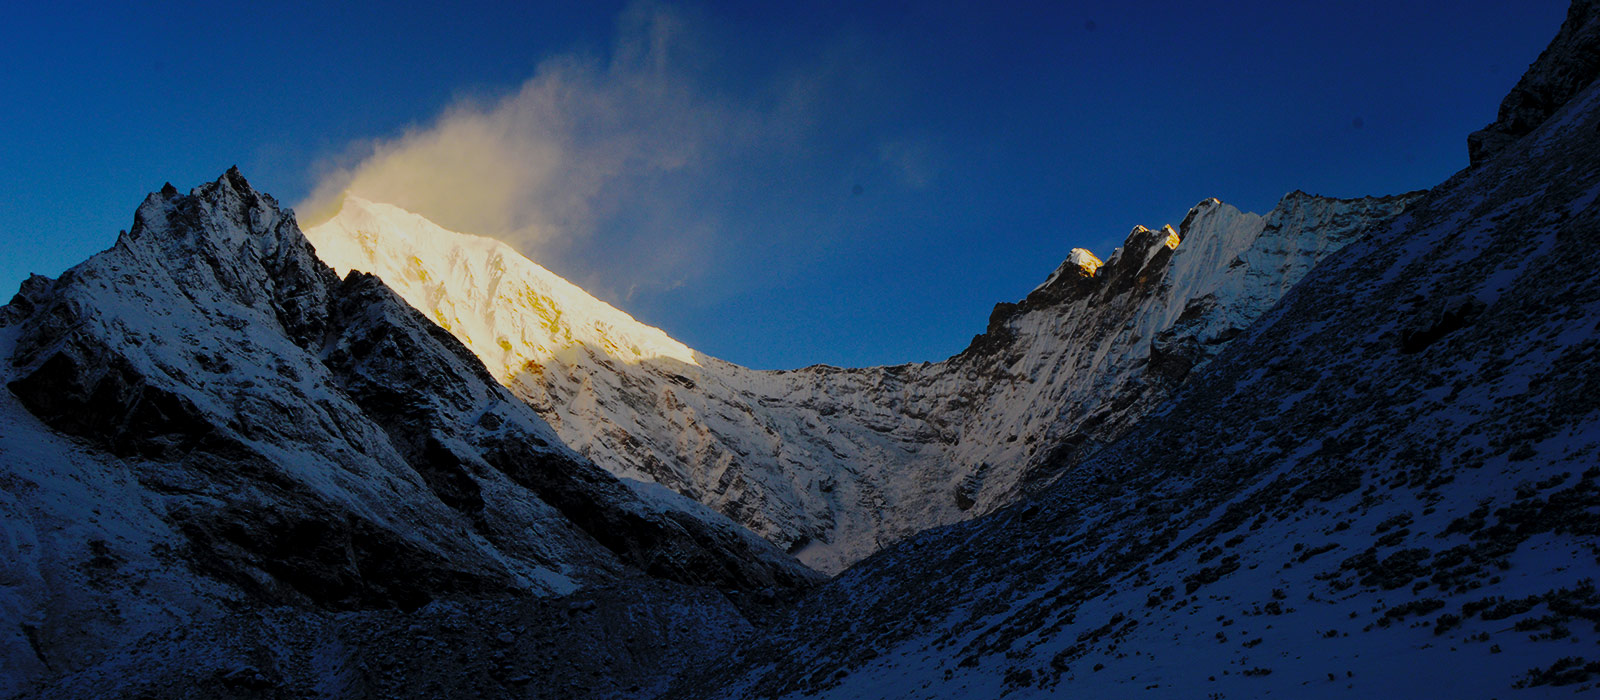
205	419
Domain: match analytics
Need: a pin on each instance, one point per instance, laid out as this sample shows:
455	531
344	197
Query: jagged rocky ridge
205	422
833	463
1388	486
1565	68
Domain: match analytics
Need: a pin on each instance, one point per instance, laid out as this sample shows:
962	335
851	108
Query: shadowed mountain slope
1388	486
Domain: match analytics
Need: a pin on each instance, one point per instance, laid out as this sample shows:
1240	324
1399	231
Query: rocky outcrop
1565	68
278	436
1112	346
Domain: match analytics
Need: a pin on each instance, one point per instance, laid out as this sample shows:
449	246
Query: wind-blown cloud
543	165
618	171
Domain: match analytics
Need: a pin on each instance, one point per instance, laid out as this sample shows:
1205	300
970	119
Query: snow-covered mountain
205	422
1388	486
1347	448
832	463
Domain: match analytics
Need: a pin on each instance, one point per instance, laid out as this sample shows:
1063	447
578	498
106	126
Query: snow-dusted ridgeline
833	463
204	421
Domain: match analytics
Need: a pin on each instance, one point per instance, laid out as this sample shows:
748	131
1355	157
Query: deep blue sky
986	142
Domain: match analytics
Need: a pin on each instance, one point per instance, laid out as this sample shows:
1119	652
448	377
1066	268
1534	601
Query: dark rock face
610	641
81	389
1434	325
300	440
1565	68
674	546
314	554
